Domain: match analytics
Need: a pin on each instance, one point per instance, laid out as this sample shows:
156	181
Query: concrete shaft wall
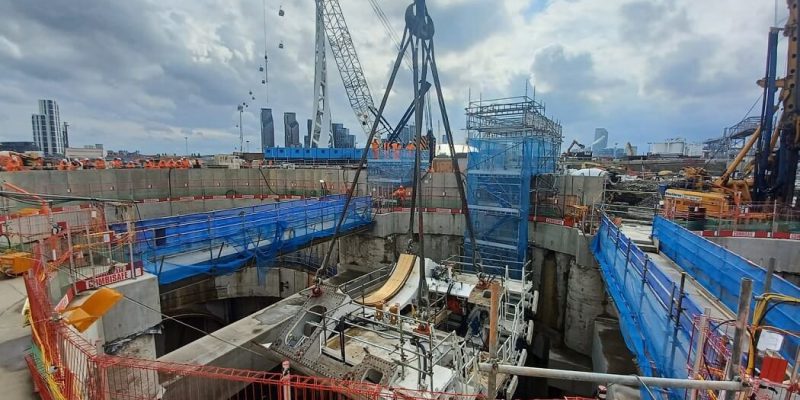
279	283
759	251
137	184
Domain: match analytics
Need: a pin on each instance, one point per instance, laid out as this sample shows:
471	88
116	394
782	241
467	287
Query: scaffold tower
511	141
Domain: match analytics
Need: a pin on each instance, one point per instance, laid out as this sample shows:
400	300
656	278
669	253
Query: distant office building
307	137
65	132
407	134
291	130
341	137
90	152
444	139
19	147
267	129
48	132
600	139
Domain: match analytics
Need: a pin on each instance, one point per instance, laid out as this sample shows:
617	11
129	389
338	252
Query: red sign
64	302
107	279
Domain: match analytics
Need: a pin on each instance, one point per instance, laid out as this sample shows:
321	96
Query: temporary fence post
89	245
644	280
627	259
73	272
774	212
680	301
743	312
131	238
678	310
770	273
698	350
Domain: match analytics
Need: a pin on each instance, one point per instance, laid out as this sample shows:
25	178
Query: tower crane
331	24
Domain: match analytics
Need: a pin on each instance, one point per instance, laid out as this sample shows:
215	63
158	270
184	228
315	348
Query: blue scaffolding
511	141
221	242
387	170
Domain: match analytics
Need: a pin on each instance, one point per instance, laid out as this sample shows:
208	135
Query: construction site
513	269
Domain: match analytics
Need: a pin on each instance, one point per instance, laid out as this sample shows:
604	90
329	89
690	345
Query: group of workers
117	163
394	146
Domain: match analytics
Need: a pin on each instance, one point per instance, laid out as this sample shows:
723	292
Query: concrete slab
15	339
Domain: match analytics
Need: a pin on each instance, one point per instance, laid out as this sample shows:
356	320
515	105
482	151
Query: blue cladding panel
720	271
644	301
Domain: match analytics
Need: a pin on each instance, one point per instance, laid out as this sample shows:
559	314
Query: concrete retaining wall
759	251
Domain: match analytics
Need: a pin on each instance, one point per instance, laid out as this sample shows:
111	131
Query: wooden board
403	268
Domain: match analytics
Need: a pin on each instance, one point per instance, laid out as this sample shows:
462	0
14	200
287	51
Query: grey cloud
646	21
685	73
465	24
569	73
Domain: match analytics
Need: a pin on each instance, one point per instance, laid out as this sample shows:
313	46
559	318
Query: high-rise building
291	130
444	139
65	130
307	137
341	137
600	140
407	134
48	133
267	129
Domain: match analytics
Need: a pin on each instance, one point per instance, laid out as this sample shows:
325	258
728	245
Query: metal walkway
221	242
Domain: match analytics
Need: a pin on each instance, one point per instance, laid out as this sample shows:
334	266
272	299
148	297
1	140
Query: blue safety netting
221	242
499	172
393	168
646	300
721	271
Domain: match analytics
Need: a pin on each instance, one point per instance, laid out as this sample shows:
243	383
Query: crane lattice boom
344	52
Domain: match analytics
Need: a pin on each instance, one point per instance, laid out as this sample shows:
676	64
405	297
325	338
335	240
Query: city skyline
182	76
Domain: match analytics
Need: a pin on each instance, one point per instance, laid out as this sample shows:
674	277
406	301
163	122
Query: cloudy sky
144	74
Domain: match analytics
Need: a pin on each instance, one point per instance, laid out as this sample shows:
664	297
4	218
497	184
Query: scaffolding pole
627	380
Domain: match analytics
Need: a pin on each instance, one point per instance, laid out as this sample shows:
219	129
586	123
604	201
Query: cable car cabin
681	203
